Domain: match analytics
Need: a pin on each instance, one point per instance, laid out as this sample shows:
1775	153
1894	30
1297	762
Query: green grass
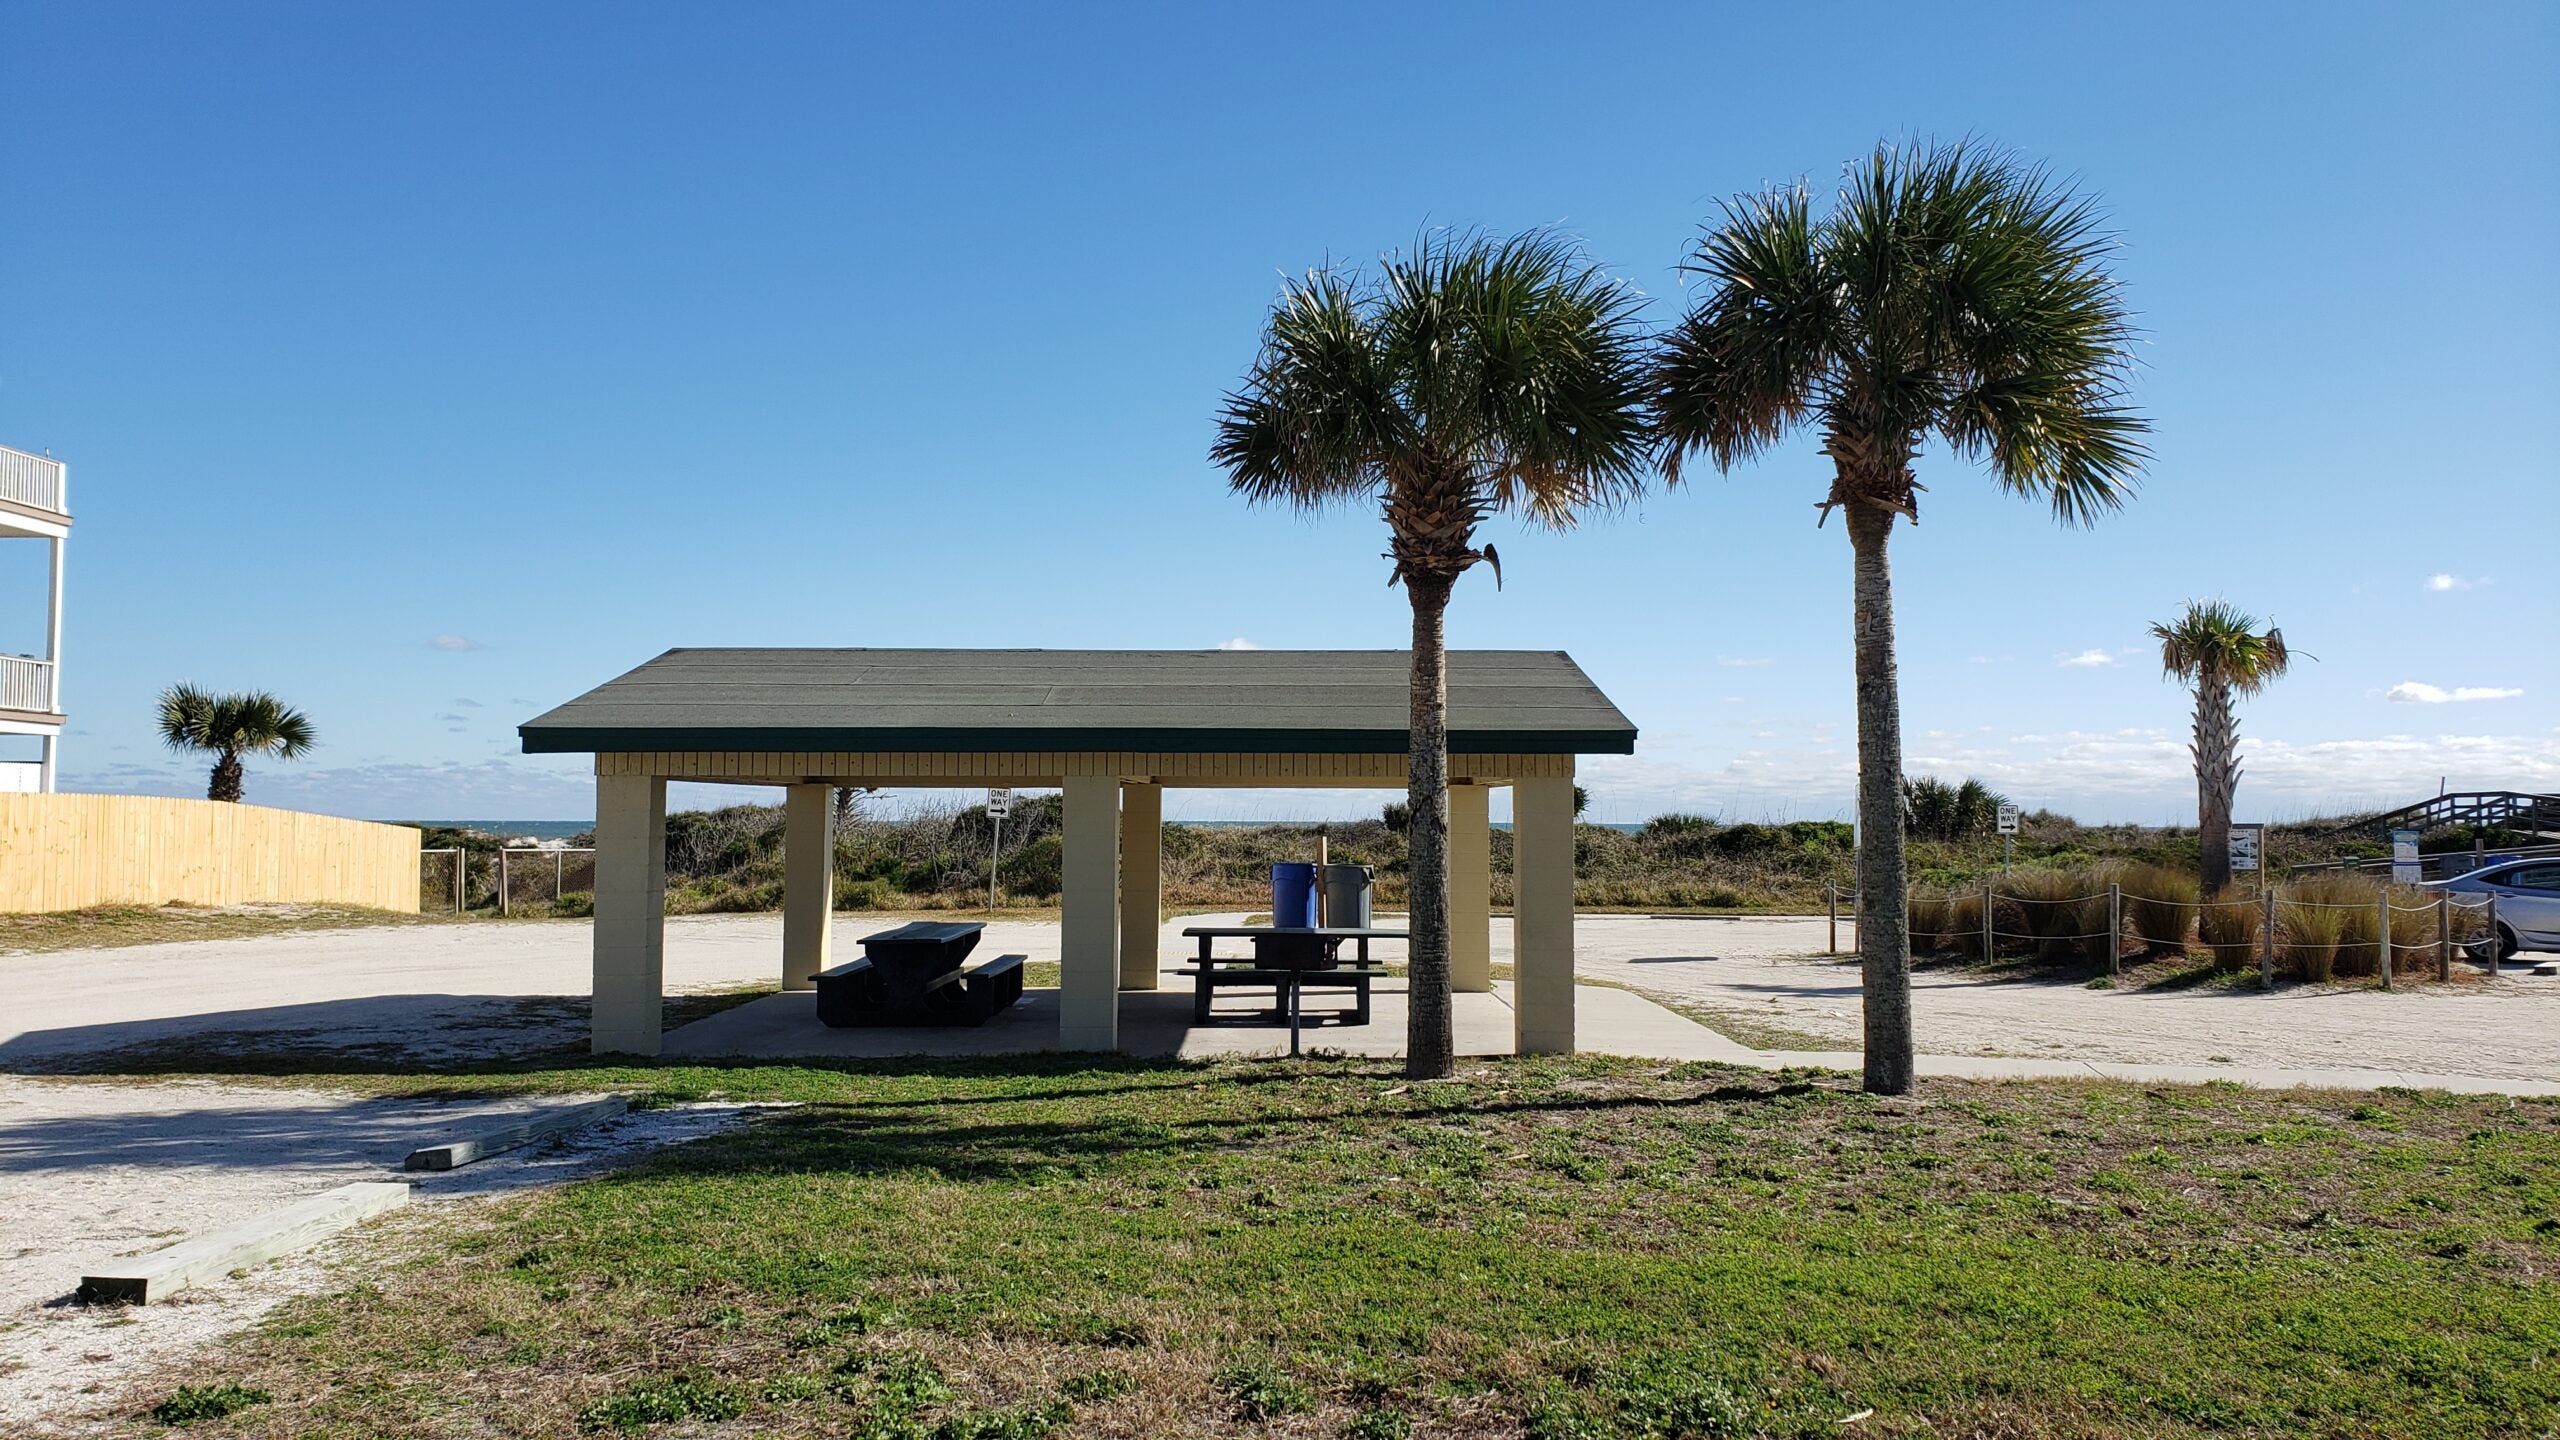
1547	1248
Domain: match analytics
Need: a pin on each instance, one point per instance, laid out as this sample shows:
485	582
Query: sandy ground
92	1170
509	988
2508	1028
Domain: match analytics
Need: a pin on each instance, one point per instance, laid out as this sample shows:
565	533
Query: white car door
2529	901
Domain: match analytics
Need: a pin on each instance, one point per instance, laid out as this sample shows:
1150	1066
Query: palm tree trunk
1430	1045
2217	755
227	774
1884	877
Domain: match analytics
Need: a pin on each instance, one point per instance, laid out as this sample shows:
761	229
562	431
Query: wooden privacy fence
71	852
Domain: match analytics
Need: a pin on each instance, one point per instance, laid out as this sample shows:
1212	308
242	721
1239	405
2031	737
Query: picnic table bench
912	975
1288	960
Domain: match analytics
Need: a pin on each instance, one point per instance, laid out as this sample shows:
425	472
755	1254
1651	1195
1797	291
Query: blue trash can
1293	895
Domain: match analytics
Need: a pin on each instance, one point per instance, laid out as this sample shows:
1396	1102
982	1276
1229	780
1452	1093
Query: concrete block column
1470	888
631	914
1141	883
808	883
1089	927
1542	915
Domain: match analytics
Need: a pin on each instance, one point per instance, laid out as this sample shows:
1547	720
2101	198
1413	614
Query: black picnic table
1288	958
912	975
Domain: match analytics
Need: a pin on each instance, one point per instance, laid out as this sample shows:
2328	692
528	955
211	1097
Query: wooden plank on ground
499	1139
160	1274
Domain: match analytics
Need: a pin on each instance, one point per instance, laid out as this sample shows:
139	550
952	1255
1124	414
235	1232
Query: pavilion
1113	729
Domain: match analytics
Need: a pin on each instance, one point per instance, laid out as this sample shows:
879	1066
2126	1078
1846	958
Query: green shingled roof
1501	702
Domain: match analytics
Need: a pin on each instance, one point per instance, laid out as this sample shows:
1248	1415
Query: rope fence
2318	939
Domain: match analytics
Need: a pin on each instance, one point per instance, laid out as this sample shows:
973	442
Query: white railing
26	684
21	777
31	480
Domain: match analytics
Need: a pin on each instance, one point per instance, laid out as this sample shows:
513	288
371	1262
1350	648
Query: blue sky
428	365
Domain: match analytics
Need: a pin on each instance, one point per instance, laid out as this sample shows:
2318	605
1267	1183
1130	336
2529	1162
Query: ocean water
525	829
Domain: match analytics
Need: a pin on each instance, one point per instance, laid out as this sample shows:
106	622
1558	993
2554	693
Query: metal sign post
2008	834
999	804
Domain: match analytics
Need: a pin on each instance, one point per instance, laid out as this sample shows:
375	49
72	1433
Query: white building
34	505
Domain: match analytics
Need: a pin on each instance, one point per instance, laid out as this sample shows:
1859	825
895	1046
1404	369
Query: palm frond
1467	376
1950	290
2213	641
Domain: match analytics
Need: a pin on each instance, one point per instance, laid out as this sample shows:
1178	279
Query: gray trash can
1346	896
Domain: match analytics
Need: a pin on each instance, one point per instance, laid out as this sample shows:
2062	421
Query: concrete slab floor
1158	1023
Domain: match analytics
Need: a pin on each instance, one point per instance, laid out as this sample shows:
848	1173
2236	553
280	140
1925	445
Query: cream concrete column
1470	888
631	914
1542	916
808	883
1141	883
1089	928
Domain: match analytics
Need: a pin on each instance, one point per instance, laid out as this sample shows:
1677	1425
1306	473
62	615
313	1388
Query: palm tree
1472	378
1950	291
2217	649
230	726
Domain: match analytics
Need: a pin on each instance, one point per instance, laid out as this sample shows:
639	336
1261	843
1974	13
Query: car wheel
2506	944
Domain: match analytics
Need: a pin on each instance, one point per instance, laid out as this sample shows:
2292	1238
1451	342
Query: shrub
1037	869
2348	901
1396	815
2309	946
2063	911
1929	923
852	894
1961	925
2229	928
2159	905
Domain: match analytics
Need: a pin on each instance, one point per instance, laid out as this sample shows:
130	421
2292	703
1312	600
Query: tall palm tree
1471	378
1951	292
2218	650
230	726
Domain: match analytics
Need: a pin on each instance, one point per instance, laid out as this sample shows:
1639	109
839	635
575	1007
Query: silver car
2528	894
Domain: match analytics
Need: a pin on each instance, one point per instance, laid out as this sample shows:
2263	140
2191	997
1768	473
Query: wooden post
461	857
1831	914
2115	929
1988	940
502	880
2382	913
2444	936
2267	942
2493	936
559	875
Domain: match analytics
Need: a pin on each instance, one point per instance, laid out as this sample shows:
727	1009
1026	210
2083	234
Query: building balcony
33	488
27	685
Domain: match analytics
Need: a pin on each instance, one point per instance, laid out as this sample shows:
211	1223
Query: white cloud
453	643
2086	660
1238	643
1743	661
2143	775
2419	692
2444	580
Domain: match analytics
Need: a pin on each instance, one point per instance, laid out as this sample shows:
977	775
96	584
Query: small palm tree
2218	650
1471	378
1951	292
230	726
